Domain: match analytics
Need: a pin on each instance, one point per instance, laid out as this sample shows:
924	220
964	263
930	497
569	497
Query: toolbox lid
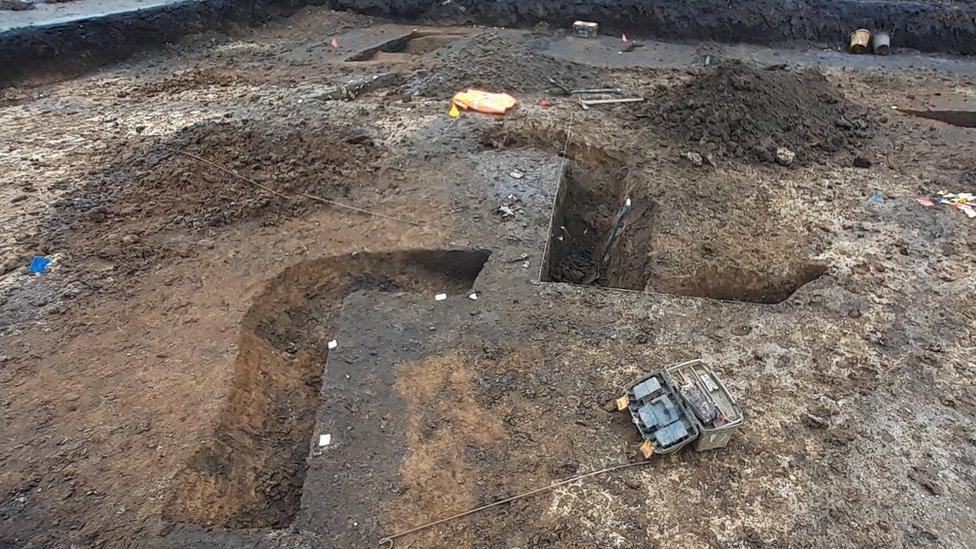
660	414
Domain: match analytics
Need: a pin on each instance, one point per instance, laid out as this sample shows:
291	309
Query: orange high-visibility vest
482	101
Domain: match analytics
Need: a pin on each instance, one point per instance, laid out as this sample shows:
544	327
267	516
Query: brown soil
162	188
678	241
741	111
124	212
445	419
251	474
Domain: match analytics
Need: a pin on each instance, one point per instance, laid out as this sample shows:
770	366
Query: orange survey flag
482	101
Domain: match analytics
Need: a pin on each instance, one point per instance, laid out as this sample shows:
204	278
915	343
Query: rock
784	156
843	122
130	239
862	162
814	421
695	158
763	154
926	479
97	215
741	330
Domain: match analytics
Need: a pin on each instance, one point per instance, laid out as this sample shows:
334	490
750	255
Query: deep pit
251	473
668	246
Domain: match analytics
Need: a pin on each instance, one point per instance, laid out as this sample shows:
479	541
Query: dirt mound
125	212
15	5
736	110
173	189
497	63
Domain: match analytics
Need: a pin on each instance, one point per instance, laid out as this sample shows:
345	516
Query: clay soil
167	381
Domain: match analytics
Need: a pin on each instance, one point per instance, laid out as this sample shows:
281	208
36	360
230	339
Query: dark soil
171	188
251	473
496	63
677	239
580	227
15	5
191	397
926	26
37	52
736	110
157	188
155	203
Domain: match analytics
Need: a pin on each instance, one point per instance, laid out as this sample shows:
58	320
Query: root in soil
406	48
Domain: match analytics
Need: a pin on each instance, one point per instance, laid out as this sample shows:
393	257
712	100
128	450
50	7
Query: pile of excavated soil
165	188
736	110
323	161
15	5
494	62
119	216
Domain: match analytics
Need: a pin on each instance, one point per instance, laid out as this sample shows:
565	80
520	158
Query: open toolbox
681	404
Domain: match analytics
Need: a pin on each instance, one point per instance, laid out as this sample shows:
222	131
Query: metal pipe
596	90
587	103
860	40
881	43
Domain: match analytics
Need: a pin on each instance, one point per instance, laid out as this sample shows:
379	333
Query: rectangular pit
660	249
587	206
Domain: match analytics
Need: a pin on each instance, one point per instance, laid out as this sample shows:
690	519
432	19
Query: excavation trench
407	47
963	119
668	244
251	473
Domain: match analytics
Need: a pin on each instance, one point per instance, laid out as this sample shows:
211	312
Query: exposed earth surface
248	231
